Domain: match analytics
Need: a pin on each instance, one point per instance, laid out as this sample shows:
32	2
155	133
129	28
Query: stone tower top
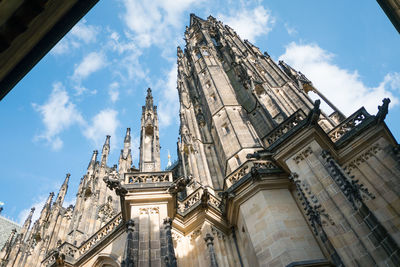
149	160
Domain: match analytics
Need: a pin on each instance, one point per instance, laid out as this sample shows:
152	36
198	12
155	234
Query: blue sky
94	81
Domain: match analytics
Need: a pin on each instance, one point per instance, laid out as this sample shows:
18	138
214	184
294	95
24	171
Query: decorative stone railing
66	249
284	127
199	196
347	125
150	177
99	235
246	168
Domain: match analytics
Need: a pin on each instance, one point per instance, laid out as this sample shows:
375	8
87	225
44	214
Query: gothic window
208	84
225	129
204	52
198	55
238	160
215	42
213	97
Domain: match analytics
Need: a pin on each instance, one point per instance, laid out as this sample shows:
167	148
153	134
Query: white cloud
290	30
58	113
85	33
344	88
38	204
61	47
249	23
104	123
80	33
154	23
91	63
113	91
168	107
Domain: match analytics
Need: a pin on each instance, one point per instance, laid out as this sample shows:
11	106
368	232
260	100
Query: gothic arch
106	261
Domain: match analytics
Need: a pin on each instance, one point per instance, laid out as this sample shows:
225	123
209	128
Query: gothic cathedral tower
263	177
149	140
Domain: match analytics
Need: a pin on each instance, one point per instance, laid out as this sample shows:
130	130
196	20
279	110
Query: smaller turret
125	158
63	191
27	223
105	152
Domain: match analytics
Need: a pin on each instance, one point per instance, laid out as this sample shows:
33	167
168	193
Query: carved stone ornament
363	157
106	211
354	191
302	155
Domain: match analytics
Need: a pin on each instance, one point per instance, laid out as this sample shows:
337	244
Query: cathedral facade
263	177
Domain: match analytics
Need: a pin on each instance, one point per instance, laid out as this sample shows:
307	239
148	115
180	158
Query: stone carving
313	116
302	155
352	189
114	183
199	196
99	235
284	127
250	166
217	233
383	110
195	234
170	259
313	209
180	184
106	211
347	125
153	177
362	158
209	239
150	210
129	255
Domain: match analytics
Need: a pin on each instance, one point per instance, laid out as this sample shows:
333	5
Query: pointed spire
46	207
63	191
125	159
105	152
149	99
169	160
93	160
27	222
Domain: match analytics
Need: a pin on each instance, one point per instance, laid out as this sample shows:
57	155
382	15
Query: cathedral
263	177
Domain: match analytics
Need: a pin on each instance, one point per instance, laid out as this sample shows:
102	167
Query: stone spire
125	158
63	191
93	160
46	208
27	223
149	138
105	152
149	99
169	160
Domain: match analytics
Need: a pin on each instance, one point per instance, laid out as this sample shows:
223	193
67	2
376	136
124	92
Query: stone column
210	245
129	246
170	259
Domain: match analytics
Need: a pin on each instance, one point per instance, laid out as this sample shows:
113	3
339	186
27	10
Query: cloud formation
80	33
58	113
249	23
154	24
91	63
344	88
168	106
104	123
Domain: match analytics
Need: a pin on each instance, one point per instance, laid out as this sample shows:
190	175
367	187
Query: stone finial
383	110
209	239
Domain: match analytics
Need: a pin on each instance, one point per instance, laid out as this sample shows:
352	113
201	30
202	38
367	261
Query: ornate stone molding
149	210
209	239
302	155
354	191
313	209
371	151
